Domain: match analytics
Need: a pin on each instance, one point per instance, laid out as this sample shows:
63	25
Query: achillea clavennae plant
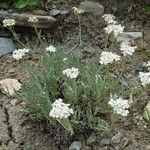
18	54
78	94
108	57
127	49
110	19
116	29
60	110
145	78
119	105
8	22
51	49
71	72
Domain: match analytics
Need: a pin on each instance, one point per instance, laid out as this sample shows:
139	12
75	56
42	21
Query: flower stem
16	37
80	31
38	35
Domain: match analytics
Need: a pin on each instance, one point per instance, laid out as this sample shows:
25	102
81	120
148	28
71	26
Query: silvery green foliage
87	94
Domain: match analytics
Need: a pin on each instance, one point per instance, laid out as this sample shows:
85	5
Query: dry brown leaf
9	86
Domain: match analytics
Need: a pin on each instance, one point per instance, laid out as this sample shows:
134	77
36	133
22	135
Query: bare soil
20	132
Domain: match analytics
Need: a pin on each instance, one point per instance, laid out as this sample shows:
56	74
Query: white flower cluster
120	106
144	77
33	19
18	54
127	49
78	11
108	57
71	72
114	28
60	110
65	59
109	18
8	22
51	49
147	65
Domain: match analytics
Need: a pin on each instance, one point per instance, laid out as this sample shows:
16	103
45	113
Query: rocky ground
18	132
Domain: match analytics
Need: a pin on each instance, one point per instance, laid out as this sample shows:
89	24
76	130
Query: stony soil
18	132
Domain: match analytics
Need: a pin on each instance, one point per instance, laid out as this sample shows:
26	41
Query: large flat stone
92	7
6	46
129	36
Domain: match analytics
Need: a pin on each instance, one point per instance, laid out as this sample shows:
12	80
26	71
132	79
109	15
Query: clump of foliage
88	94
23	3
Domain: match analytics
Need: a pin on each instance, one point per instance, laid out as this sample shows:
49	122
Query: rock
147	147
55	12
91	139
9	86
104	142
92	7
13	102
4	5
21	19
39	12
6	46
76	145
86	148
117	138
117	147
129	36
134	35
146	113
64	12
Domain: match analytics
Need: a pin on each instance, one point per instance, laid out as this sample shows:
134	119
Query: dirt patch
17	132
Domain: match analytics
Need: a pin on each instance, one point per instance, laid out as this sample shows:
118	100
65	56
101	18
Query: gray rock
91	7
146	113
64	12
55	12
117	147
86	148
13	102
4	5
76	145
104	142
6	46
117	138
39	12
134	35
147	147
129	36
91	139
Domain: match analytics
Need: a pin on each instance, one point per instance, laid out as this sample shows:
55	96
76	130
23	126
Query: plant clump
77	95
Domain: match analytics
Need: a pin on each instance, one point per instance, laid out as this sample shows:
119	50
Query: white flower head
109	18
119	105
147	65
127	49
78	11
144	77
60	110
65	59
8	22
108	57
114	28
71	72
51	49
18	54
33	19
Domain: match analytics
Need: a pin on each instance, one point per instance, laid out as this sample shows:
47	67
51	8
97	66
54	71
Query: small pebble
76	145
